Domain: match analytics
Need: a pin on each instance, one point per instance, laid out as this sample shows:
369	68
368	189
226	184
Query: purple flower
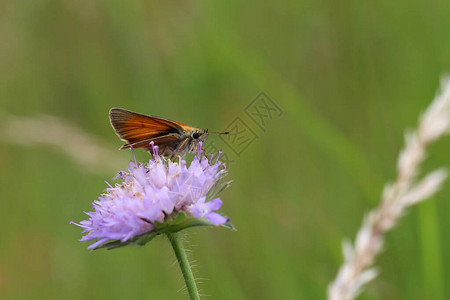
153	194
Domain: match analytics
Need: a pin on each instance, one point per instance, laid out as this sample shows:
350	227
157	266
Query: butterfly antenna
223	132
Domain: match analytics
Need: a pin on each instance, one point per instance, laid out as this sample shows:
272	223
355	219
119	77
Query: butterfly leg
204	153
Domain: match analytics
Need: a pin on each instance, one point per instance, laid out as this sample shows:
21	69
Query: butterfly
171	137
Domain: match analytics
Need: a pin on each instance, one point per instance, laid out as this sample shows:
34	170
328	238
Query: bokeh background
349	76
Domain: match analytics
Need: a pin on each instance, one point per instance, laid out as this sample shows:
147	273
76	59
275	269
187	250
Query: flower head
152	196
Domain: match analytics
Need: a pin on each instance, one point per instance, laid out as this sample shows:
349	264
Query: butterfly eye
196	135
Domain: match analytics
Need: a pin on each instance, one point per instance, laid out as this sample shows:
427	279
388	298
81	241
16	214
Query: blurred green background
350	77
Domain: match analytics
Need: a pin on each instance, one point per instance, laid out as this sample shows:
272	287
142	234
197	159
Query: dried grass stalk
407	190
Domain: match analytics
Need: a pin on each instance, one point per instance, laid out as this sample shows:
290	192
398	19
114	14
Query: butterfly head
199	135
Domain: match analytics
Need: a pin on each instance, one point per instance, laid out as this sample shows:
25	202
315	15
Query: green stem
177	246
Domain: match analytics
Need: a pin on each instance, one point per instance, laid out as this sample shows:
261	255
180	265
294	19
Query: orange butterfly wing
138	129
